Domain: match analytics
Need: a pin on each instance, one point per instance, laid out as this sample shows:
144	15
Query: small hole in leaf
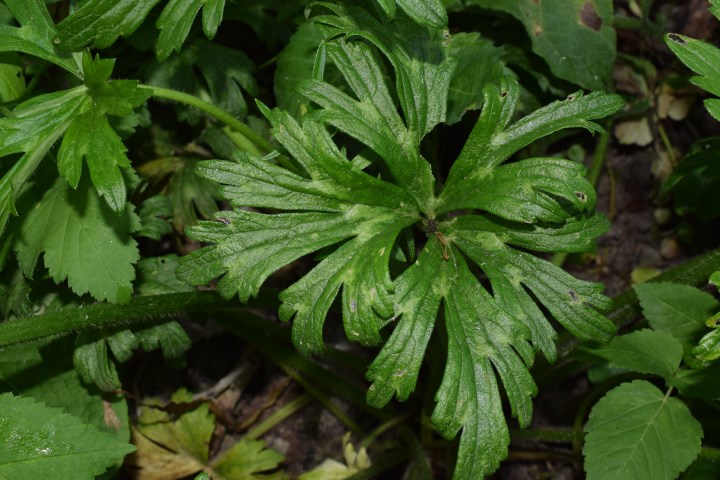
571	97
581	196
573	296
224	220
503	94
677	38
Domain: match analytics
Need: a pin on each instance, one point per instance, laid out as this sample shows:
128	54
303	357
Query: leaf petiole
247	138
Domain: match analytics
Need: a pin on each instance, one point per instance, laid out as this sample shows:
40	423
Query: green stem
105	315
251	140
666	143
421	466
382	428
710	453
140	310
278	416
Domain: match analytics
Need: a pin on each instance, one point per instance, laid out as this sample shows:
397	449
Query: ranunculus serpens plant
406	251
486	214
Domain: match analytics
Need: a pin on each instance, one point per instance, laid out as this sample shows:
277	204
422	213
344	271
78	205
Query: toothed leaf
357	210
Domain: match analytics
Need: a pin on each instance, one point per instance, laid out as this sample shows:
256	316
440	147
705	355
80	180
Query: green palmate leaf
35	35
101	22
79	114
45	443
207	70
637	432
575	37
91	137
328	203
83	241
644	351
679	310
702	58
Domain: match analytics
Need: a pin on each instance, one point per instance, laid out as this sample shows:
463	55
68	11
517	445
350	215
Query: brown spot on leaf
589	17
537	30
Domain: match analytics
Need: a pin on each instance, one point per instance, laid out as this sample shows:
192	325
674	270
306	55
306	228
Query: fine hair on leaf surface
486	217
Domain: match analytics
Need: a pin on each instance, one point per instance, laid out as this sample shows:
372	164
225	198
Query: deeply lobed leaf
322	200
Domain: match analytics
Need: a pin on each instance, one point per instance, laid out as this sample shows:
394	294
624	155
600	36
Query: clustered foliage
409	252
326	199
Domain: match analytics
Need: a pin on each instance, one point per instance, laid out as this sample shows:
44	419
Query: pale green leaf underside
83	241
44	443
636	432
